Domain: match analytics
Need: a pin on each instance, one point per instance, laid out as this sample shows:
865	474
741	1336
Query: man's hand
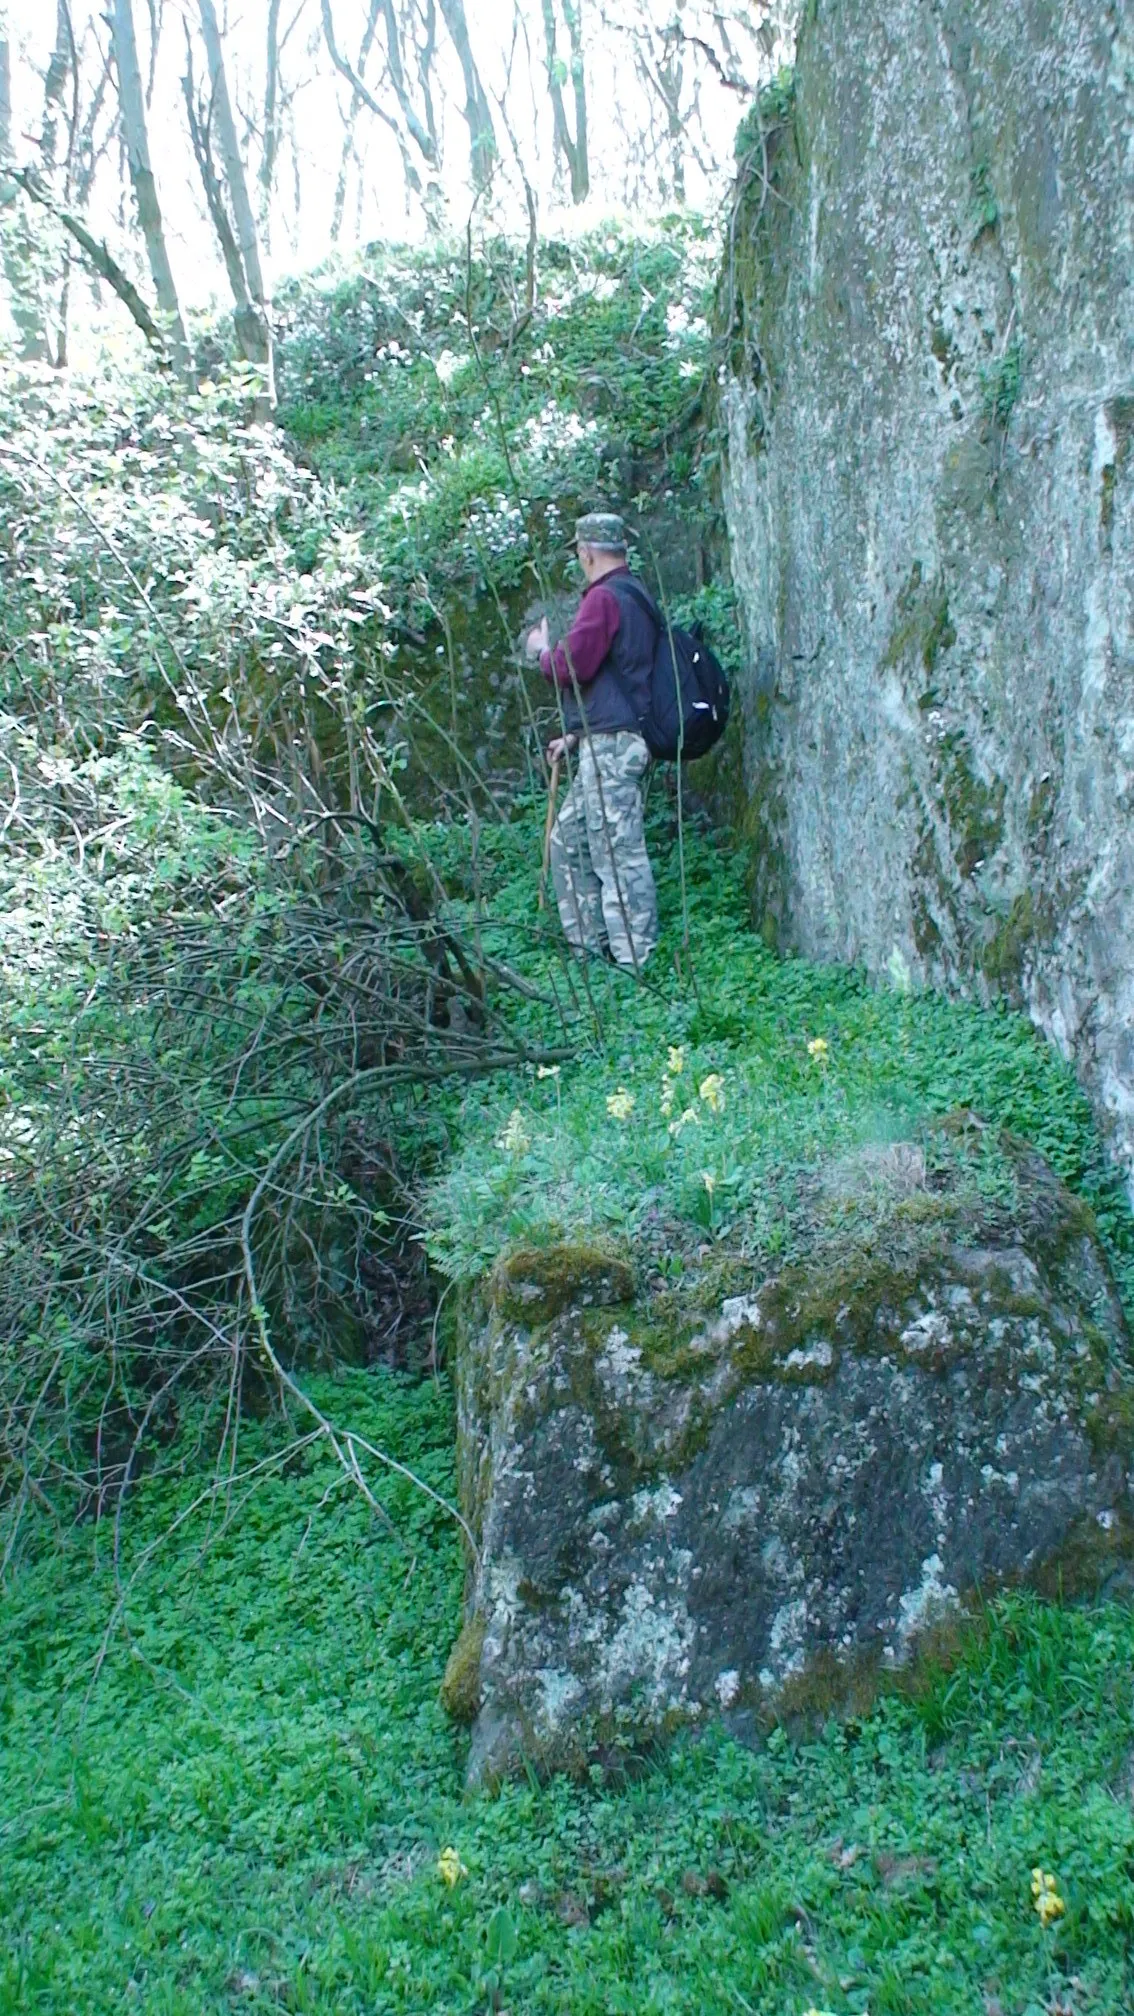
539	639
559	748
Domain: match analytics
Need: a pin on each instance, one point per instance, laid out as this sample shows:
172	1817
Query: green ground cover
246	1810
785	1066
247	1807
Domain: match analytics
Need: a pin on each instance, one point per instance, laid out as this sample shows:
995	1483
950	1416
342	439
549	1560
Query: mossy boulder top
751	1491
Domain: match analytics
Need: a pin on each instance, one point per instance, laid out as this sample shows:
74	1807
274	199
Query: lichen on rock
755	1487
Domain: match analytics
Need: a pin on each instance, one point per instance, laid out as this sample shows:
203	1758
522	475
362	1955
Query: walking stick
548	823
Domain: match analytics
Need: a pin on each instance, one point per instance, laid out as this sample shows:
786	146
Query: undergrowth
247	1810
465	425
804	1064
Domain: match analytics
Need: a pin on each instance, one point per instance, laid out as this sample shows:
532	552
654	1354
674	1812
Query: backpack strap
644	600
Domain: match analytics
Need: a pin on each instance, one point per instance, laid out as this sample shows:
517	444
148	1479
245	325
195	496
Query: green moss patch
460	1683
922	629
534	1284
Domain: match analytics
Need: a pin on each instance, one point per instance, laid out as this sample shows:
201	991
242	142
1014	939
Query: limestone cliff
929	293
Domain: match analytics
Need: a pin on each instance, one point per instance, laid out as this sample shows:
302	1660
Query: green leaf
500	1939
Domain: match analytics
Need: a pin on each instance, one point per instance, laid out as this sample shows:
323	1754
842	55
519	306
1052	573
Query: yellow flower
675	1061
450	1868
712	1091
515	1139
690	1118
620	1104
667	1096
817	1048
1049	1904
709	1181
547	1070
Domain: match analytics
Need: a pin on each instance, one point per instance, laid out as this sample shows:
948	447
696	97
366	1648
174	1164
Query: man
604	884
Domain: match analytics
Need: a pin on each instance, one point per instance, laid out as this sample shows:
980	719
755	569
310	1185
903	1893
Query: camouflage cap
603	529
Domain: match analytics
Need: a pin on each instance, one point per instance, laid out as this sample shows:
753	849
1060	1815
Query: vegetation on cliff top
708	1099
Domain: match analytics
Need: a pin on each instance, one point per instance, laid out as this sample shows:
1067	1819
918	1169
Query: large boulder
751	1491
928	296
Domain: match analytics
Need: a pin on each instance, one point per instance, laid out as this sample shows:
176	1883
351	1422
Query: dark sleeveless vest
618	695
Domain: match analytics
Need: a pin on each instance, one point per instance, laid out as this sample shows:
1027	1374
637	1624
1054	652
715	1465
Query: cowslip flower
450	1868
818	1048
547	1070
620	1104
1048	1902
710	1182
690	1118
675	1060
667	1092
712	1091
515	1139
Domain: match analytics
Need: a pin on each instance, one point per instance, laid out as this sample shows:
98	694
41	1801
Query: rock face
930	499
754	1491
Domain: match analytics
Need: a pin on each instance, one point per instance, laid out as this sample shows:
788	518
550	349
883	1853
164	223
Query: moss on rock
534	1283
460	1685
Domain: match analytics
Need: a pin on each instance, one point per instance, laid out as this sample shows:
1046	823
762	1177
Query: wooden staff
548	823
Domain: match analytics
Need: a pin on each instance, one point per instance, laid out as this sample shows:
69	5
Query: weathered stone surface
714	1496
930	496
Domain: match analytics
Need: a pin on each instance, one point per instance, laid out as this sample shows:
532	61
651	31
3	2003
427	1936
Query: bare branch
101	258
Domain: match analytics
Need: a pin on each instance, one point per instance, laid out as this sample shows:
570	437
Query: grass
245	1810
813	1062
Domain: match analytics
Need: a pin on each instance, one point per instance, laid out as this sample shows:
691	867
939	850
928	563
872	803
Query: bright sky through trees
367	119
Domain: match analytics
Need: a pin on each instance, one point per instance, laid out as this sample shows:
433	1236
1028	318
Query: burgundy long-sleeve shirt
590	637
610	650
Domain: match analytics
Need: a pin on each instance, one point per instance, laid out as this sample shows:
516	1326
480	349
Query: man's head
600	539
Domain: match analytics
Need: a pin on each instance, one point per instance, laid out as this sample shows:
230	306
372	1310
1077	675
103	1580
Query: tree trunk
271	120
136	138
257	337
665	74
5	95
423	136
198	118
478	117
20	252
365	94
54	85
580	167
349	151
572	147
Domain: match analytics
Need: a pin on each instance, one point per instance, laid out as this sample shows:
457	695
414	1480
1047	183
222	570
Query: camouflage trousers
604	884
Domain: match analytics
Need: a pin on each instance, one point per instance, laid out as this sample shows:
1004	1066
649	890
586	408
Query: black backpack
688	696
